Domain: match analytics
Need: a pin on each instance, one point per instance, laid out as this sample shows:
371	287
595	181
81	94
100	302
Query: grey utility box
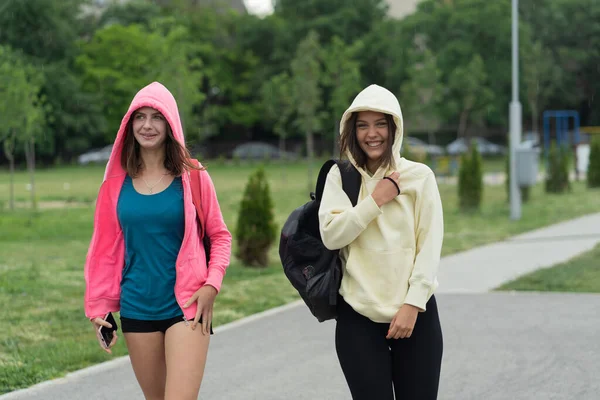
528	160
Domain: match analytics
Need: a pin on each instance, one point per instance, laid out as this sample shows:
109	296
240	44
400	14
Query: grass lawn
580	274
44	332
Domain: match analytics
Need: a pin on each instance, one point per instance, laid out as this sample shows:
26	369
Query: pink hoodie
106	255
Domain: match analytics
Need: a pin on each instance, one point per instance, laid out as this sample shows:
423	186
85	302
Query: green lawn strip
580	274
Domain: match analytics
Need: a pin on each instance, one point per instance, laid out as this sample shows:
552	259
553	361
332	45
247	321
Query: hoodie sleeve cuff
215	279
417	296
366	211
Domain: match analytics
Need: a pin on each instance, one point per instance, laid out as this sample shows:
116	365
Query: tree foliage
23	110
306	74
278	105
341	78
449	63
593	172
120	60
557	174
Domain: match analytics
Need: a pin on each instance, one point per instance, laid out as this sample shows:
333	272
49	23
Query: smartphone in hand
107	334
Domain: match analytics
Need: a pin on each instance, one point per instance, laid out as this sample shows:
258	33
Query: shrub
557	175
256	230
470	180
593	172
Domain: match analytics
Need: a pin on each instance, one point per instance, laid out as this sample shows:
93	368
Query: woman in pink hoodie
146	259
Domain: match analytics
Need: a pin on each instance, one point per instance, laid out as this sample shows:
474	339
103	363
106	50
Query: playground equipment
561	128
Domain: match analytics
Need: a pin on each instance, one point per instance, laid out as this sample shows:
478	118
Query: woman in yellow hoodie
388	334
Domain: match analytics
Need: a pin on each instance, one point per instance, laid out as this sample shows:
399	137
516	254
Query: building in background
401	8
398	8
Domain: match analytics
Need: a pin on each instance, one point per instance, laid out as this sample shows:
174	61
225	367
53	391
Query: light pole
515	117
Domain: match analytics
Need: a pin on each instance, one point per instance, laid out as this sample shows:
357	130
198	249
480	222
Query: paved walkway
497	345
487	267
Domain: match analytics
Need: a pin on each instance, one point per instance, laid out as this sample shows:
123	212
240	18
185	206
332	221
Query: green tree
43	29
348	20
575	39
132	12
23	110
46	32
278	105
541	74
12	84
306	75
342	78
422	92
256	229
34	120
593	172
473	96
471	40
384	54
119	60
470	180
231	77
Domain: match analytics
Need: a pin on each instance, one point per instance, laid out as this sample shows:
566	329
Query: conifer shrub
256	229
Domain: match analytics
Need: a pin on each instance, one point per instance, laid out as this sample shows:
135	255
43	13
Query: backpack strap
318	194
350	180
196	196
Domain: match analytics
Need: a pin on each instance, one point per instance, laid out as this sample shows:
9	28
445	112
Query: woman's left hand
403	323
205	297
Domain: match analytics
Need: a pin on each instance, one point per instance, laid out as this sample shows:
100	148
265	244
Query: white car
419	146
260	151
484	146
95	156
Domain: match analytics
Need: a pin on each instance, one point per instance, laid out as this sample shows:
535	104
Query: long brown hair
177	157
349	143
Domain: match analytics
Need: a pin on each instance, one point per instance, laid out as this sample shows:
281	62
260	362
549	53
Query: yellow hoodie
390	254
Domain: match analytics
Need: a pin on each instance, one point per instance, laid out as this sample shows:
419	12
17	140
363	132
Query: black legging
373	365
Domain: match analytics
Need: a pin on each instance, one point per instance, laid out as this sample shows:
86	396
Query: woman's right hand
98	322
386	191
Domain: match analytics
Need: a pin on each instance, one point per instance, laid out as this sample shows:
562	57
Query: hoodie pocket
104	279
189	274
379	277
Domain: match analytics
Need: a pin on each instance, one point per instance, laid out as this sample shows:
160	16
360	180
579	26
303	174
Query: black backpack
314	271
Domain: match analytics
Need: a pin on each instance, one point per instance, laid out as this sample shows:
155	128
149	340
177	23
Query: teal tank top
153	228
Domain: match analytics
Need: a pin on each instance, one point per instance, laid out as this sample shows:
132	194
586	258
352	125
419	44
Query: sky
259	7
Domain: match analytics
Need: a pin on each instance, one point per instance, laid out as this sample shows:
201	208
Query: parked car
95	156
260	151
419	146
484	146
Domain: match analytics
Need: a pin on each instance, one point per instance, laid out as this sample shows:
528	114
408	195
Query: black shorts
161	325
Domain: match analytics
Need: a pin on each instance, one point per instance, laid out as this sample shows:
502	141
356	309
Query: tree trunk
8	151
282	144
535	119
310	152
462	127
284	157
11	202
430	136
30	157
